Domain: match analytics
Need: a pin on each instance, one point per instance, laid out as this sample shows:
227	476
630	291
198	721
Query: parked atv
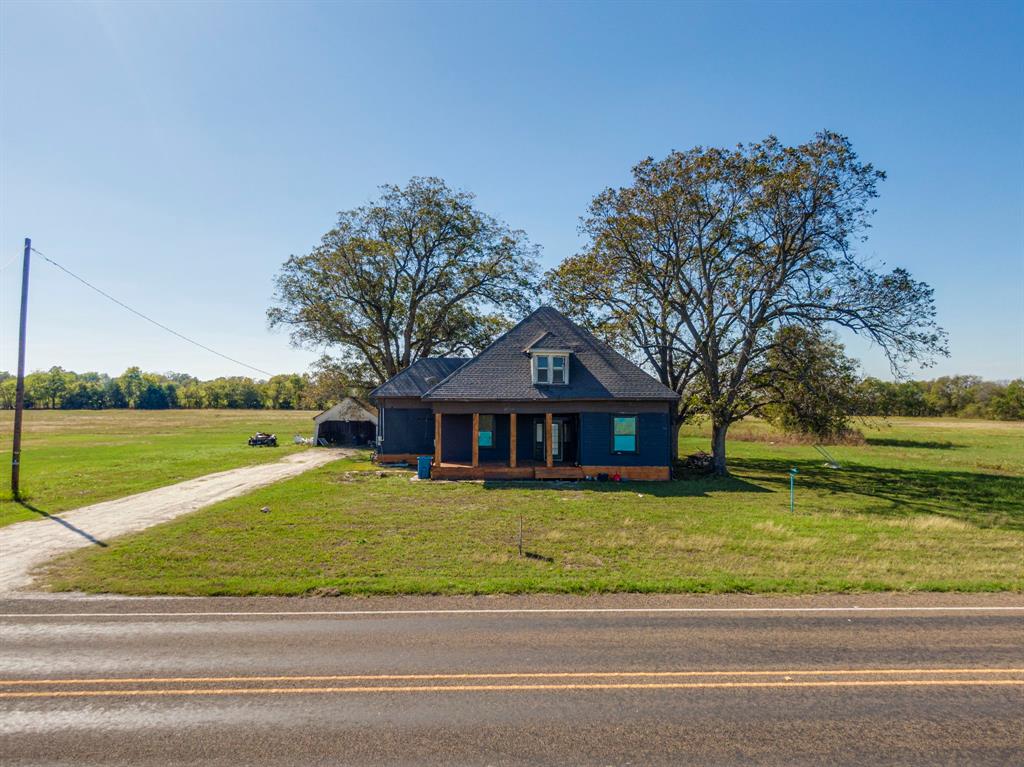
262	439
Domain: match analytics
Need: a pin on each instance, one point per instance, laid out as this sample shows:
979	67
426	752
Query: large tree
808	385
697	264
419	272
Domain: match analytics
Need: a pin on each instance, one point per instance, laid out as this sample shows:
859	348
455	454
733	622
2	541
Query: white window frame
550	355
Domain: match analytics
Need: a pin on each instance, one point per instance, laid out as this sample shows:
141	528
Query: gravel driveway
27	544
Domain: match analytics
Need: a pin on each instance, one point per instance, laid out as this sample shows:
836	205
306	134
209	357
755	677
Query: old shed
350	422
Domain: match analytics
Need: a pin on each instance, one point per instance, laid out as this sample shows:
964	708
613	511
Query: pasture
72	458
932	504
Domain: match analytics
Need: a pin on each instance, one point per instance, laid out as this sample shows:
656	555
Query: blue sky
176	154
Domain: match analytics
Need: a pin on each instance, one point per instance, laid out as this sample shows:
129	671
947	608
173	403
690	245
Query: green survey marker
792	482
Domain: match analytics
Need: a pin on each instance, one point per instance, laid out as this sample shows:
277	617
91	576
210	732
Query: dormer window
550	367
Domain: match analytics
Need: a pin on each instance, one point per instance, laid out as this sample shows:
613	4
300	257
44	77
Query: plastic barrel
423	466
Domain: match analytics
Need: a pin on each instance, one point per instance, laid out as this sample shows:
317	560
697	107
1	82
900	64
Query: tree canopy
696	265
418	272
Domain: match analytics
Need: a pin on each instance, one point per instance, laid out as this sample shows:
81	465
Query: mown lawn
73	458
925	505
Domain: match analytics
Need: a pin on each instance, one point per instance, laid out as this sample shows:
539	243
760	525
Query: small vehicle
262	439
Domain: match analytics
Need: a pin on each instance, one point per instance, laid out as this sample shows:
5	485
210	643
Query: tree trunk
718	448
677	424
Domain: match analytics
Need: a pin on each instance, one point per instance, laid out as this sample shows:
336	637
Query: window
542	368
486	435
624	434
551	368
558	370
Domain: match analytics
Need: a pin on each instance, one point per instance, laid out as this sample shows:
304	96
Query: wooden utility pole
19	392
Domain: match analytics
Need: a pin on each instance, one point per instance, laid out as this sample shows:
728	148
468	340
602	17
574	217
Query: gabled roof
347	404
502	370
545	340
418	377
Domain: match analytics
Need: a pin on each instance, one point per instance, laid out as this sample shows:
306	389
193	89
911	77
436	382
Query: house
350	422
547	400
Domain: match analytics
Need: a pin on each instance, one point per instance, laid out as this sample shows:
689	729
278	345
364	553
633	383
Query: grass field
924	505
72	458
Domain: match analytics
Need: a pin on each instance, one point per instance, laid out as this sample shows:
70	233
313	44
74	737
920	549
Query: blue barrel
423	466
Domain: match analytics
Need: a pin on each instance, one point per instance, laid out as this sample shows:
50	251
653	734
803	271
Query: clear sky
175	154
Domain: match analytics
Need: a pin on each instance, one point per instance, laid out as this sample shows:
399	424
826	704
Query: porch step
450	471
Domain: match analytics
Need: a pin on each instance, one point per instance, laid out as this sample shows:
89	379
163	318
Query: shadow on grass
985	500
928	445
64	522
688	488
538	557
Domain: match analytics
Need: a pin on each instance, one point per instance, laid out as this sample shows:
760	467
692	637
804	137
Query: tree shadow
928	445
676	488
984	500
64	522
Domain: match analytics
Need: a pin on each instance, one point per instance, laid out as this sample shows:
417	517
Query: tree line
961	396
57	388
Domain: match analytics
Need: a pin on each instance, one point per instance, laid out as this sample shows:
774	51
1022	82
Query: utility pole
19	395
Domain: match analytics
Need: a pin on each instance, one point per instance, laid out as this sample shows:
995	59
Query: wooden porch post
476	440
437	439
512	440
550	448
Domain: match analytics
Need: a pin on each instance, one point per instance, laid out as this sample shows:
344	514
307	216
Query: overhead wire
147	318
11	261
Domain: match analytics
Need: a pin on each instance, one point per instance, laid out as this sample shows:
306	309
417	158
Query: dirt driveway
27	544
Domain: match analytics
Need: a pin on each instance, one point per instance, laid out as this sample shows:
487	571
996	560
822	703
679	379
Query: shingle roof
418	377
502	370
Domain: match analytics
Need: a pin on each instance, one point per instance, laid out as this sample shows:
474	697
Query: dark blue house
547	400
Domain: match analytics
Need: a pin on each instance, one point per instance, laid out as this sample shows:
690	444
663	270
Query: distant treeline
963	396
57	388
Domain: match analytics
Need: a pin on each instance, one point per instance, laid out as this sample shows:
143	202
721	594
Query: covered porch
506	446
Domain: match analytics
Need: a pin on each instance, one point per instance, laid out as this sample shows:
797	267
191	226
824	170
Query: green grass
74	458
925	505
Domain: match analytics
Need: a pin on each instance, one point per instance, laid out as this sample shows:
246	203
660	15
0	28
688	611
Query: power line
160	325
13	259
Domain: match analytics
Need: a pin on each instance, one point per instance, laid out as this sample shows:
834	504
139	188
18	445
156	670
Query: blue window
486	436
624	434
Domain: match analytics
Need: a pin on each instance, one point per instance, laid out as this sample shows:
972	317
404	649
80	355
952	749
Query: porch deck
523	471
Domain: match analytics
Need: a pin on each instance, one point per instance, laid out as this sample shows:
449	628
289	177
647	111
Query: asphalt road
620	680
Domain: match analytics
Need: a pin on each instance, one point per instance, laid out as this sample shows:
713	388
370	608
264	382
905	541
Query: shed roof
347	410
502	370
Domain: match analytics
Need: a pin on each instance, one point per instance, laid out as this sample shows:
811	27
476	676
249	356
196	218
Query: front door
560	426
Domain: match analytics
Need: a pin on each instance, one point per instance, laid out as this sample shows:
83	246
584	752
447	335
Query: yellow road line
516	688
507	675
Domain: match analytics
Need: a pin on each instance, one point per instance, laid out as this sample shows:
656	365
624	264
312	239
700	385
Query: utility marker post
19	392
792	489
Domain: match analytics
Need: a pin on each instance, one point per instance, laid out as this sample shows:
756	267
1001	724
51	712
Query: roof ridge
495	372
483	351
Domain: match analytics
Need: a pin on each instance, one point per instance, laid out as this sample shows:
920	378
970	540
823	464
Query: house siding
499	452
457	438
407	430
652	439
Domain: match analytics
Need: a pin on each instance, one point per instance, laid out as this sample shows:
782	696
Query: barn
350	422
